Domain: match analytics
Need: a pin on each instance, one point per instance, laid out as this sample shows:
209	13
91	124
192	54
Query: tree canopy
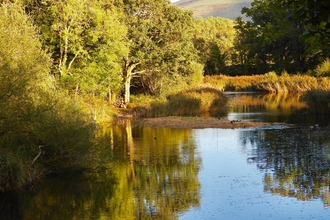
160	45
312	12
271	42
103	47
87	41
214	40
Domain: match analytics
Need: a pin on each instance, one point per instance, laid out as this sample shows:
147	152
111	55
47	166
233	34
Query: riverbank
199	122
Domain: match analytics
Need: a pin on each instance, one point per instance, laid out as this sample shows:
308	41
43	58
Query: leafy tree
214	38
161	50
271	42
314	13
86	39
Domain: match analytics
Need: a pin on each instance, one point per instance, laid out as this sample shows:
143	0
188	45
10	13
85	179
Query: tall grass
238	83
270	83
324	68
198	101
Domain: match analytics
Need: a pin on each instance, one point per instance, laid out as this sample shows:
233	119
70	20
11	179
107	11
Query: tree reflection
296	161
140	173
266	102
162	168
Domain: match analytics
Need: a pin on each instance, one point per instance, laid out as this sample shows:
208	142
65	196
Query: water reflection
155	173
141	173
161	169
296	162
272	108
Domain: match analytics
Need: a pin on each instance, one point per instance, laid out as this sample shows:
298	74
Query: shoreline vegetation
203	106
209	100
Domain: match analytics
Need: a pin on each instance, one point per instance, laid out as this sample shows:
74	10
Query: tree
312	12
214	38
271	42
161	49
86	39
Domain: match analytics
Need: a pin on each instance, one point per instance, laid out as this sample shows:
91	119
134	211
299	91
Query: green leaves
33	113
160	37
214	39
270	42
87	40
314	13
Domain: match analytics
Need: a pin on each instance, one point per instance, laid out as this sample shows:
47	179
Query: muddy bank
199	122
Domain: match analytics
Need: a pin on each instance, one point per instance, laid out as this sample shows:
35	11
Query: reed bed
270	83
198	101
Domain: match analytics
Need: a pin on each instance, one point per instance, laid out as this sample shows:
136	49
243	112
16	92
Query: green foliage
314	13
161	48
196	76
41	129
270	42
86	39
324	68
214	38
318	101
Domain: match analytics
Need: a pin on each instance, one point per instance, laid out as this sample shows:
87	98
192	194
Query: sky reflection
232	187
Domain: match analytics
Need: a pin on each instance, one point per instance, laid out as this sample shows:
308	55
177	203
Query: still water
161	173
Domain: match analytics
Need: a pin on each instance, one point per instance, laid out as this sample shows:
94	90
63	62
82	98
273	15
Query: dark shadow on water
60	197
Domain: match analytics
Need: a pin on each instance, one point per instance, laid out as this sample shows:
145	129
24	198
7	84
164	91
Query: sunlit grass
324	68
198	101
270	83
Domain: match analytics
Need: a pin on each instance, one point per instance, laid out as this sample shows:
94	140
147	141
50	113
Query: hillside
222	8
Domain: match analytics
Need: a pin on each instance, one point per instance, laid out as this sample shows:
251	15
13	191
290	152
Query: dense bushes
42	130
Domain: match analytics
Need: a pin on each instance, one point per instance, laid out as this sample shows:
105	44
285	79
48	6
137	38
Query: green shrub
42	130
196	76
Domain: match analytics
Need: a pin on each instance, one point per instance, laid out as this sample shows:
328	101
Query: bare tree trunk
127	82
128	75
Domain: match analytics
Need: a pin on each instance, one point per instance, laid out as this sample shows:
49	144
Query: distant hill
216	8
